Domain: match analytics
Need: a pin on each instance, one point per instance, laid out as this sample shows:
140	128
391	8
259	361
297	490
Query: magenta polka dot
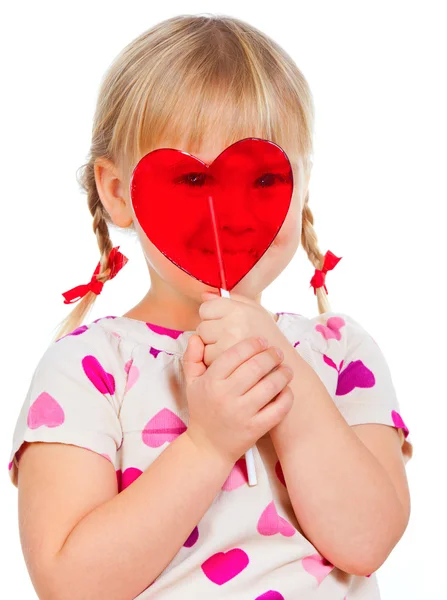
223	566
101	318
155	351
356	375
129	476
173	333
279	473
270	595
192	538
399	422
104	382
79	330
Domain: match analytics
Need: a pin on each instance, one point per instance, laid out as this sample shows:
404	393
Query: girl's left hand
226	321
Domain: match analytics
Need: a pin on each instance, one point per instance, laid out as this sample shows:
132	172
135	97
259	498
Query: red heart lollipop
213	221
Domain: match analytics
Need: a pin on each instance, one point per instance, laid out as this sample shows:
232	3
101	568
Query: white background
378	192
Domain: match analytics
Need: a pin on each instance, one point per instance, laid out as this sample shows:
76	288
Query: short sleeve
73	396
365	390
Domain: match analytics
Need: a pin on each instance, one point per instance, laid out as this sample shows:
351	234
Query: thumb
193	365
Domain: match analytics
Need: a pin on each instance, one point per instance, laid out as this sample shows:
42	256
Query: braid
309	242
101	229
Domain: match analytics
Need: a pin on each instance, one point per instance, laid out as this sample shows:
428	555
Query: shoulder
331	331
91	337
89	350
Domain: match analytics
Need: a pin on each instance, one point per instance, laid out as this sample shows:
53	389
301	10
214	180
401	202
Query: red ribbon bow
319	277
116	263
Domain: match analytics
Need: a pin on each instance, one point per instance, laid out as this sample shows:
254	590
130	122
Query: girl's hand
227	321
240	397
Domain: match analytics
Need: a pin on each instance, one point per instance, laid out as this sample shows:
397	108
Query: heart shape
356	375
279	473
192	538
45	410
318	566
270	523
223	566
237	477
165	426
129	475
399	422
332	328
242	197
270	595
133	374
104	382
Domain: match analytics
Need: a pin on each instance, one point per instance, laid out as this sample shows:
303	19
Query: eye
269	179
192	179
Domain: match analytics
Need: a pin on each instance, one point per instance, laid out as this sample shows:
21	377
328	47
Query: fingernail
263	341
279	352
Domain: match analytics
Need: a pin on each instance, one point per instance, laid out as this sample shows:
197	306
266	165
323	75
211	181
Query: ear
111	192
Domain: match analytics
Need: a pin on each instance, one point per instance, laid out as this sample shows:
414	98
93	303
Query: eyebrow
275	165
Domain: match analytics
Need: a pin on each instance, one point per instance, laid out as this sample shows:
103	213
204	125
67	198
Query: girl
143	491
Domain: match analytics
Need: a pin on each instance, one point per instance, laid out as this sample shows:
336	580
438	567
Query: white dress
116	387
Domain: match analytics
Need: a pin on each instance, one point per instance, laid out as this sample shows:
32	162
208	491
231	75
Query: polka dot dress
116	387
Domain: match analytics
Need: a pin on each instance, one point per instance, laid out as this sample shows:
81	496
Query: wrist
205	448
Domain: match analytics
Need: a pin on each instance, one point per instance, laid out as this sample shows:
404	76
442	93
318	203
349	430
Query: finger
253	370
268	387
234	356
215	309
192	360
274	412
209	331
213	351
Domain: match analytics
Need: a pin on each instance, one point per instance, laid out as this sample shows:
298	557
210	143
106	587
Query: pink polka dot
164	427
133	374
45	410
318	566
332	328
237	477
270	523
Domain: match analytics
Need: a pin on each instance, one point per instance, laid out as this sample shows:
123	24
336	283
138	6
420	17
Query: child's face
164	272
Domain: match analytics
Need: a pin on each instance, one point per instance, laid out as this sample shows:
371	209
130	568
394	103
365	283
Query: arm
342	496
120	546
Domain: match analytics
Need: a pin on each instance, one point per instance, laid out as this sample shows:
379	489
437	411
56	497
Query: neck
165	306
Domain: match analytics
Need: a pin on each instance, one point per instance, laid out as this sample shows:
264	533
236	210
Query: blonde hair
186	77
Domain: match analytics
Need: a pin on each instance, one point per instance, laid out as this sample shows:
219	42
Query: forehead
211	147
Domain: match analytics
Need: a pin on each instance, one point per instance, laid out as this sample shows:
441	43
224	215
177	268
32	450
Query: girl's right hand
243	394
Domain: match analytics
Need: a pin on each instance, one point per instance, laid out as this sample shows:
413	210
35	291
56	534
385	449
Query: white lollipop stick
249	458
